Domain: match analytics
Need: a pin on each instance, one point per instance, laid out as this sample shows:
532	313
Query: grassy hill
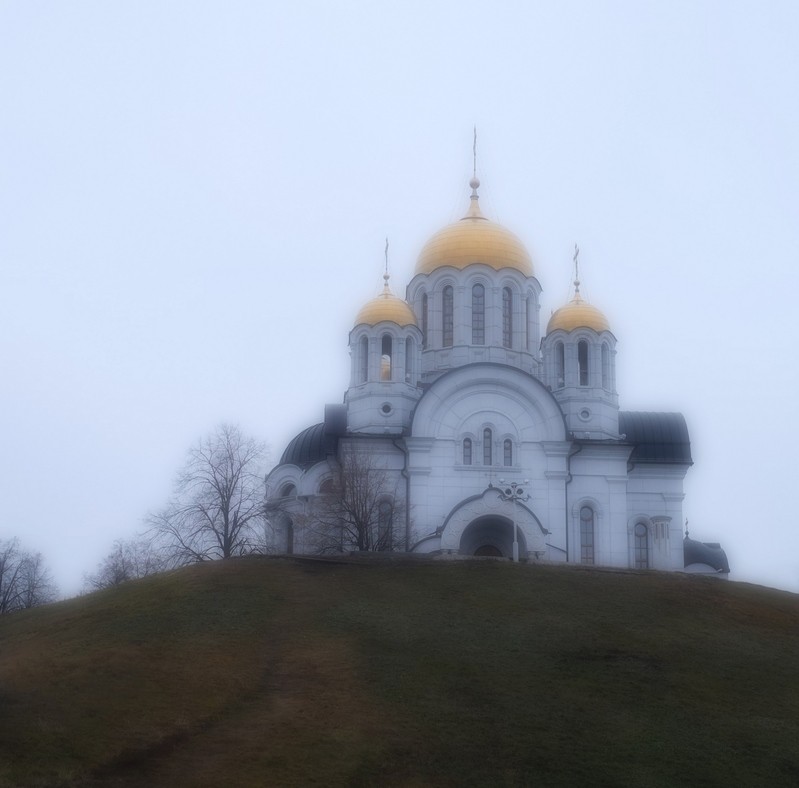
275	672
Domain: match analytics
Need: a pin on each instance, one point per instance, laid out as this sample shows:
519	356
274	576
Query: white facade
458	392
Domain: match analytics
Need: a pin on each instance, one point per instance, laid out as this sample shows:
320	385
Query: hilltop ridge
280	672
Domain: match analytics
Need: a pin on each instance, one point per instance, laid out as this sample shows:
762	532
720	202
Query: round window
585	414
386	408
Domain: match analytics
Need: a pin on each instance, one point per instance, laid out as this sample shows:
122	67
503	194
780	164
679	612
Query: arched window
560	365
384	522
409	370
326	487
507	317
447	309
478	315
582	362
364	359
641	546
467	451
288	490
587	535
487	460
424	320
606	367
507	452
385	358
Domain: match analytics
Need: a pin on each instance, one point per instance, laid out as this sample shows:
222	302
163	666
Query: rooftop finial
576	271
386	275
474	182
474	151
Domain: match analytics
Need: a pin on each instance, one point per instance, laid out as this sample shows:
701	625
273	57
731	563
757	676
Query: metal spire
386	275
576	271
474	151
474	207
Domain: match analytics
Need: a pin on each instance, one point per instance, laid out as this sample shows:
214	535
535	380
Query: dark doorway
491	535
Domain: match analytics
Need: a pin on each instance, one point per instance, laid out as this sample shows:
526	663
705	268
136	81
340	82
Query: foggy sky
194	198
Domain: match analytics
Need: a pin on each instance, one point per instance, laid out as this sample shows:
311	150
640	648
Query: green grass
270	672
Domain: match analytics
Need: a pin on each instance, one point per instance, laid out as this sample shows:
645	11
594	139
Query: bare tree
24	579
218	500
358	508
38	587
128	560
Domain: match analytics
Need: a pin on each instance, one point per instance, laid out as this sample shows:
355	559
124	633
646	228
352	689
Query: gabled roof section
657	437
312	445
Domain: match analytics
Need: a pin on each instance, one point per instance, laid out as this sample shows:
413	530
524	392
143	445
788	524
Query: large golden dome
577	314
386	307
474	239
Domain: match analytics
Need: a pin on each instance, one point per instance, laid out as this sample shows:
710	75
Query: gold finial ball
474	183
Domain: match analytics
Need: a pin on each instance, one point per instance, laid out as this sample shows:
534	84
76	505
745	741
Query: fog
194	200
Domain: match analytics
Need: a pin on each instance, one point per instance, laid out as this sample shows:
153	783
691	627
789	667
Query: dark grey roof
309	447
657	437
709	553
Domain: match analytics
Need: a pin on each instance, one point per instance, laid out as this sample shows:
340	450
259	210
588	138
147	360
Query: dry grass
268	672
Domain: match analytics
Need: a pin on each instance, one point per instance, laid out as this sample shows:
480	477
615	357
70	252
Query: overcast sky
194	198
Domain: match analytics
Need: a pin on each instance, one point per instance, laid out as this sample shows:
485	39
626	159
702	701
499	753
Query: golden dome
386	307
577	314
474	239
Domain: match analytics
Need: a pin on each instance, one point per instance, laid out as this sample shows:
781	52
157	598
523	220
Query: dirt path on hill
309	708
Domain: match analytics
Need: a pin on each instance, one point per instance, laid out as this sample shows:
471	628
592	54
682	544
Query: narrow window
487	447
424	320
605	366
641	547
384	518
560	365
364	359
582	362
528	312
507	449
385	358
587	535
507	317
409	370
446	316
467	451
478	315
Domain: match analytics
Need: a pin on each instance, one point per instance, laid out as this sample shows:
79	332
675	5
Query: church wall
655	495
599	480
381	407
439	485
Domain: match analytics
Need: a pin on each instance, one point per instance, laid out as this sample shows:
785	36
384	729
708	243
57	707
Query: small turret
385	351
579	353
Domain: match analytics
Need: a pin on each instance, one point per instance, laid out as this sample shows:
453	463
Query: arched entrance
491	535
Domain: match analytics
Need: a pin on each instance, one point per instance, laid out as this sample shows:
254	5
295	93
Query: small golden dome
474	239
577	314
386	307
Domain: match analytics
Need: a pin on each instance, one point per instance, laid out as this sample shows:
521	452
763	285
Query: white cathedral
494	439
